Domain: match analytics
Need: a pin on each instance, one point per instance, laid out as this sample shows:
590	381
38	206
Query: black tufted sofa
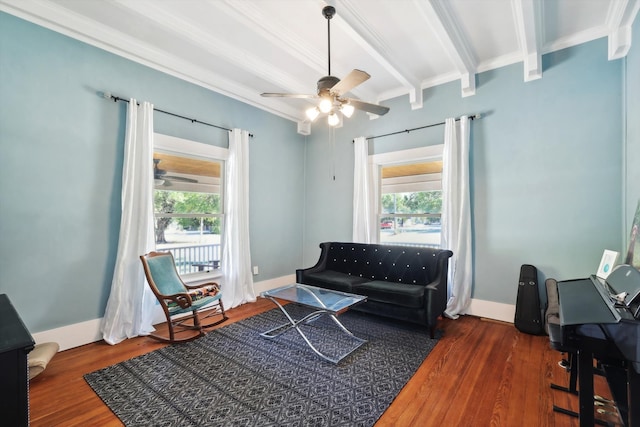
401	282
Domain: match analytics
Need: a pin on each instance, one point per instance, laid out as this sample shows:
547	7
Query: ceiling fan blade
353	79
376	109
287	95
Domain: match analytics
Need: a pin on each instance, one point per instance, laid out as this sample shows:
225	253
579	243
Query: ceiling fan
331	89
160	176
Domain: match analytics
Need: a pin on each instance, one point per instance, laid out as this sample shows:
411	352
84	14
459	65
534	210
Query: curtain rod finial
106	95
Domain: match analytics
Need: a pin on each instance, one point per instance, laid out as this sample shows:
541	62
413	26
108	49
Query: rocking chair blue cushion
163	270
176	297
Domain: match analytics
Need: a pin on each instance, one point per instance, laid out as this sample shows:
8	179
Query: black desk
15	344
602	334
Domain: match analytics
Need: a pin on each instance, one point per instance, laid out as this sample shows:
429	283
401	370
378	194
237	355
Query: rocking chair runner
177	298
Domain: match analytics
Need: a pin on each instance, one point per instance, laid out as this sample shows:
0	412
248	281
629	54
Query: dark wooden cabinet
15	344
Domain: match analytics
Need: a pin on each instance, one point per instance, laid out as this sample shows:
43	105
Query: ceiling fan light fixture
330	90
333	119
325	105
312	113
347	110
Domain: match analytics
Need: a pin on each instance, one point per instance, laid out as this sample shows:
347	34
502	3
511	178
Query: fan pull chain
332	137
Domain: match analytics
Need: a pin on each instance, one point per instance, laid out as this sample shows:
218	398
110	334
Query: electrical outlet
255	270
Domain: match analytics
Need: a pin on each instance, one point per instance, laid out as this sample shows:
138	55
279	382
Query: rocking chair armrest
203	285
183	299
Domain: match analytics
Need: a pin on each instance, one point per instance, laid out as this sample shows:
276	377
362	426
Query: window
410	198
189	203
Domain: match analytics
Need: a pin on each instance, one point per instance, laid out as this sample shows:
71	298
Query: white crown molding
63	21
441	79
501	61
442	18
575	39
186	30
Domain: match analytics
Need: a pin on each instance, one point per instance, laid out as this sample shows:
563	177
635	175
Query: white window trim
184	147
413	155
406	184
431	152
178	146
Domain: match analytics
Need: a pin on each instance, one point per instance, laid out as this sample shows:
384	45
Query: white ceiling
242	48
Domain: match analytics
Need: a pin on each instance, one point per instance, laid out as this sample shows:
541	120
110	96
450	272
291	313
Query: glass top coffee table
323	301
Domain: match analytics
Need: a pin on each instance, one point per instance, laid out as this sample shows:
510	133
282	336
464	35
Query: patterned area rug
234	377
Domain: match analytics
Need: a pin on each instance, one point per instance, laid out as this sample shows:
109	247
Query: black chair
557	342
569	347
552	326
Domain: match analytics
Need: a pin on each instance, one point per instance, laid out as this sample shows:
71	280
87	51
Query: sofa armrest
321	265
436	296
442	270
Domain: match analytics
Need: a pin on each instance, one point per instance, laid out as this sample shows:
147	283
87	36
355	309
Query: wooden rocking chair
177	299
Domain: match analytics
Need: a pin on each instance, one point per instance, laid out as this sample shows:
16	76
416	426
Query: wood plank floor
481	373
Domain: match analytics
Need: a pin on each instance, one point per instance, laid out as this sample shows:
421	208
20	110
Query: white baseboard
492	310
72	335
87	332
265	285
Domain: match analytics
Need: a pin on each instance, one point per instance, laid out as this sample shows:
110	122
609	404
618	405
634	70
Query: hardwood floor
481	373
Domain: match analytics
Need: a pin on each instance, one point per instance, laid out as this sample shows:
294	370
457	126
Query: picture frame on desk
608	261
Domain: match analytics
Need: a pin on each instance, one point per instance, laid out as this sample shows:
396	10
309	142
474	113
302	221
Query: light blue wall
632	98
545	163
61	163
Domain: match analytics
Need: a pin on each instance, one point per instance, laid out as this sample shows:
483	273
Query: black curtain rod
107	95
472	117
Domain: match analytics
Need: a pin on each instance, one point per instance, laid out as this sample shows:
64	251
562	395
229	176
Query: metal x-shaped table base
294	324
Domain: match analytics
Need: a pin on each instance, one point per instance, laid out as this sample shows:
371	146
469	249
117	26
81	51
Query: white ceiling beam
250	16
439	16
527	19
361	32
162	14
619	20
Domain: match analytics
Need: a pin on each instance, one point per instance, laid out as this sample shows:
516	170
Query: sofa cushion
392	293
333	280
383	262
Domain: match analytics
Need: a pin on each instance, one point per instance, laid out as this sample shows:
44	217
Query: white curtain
237	287
456	214
129	311
364	195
